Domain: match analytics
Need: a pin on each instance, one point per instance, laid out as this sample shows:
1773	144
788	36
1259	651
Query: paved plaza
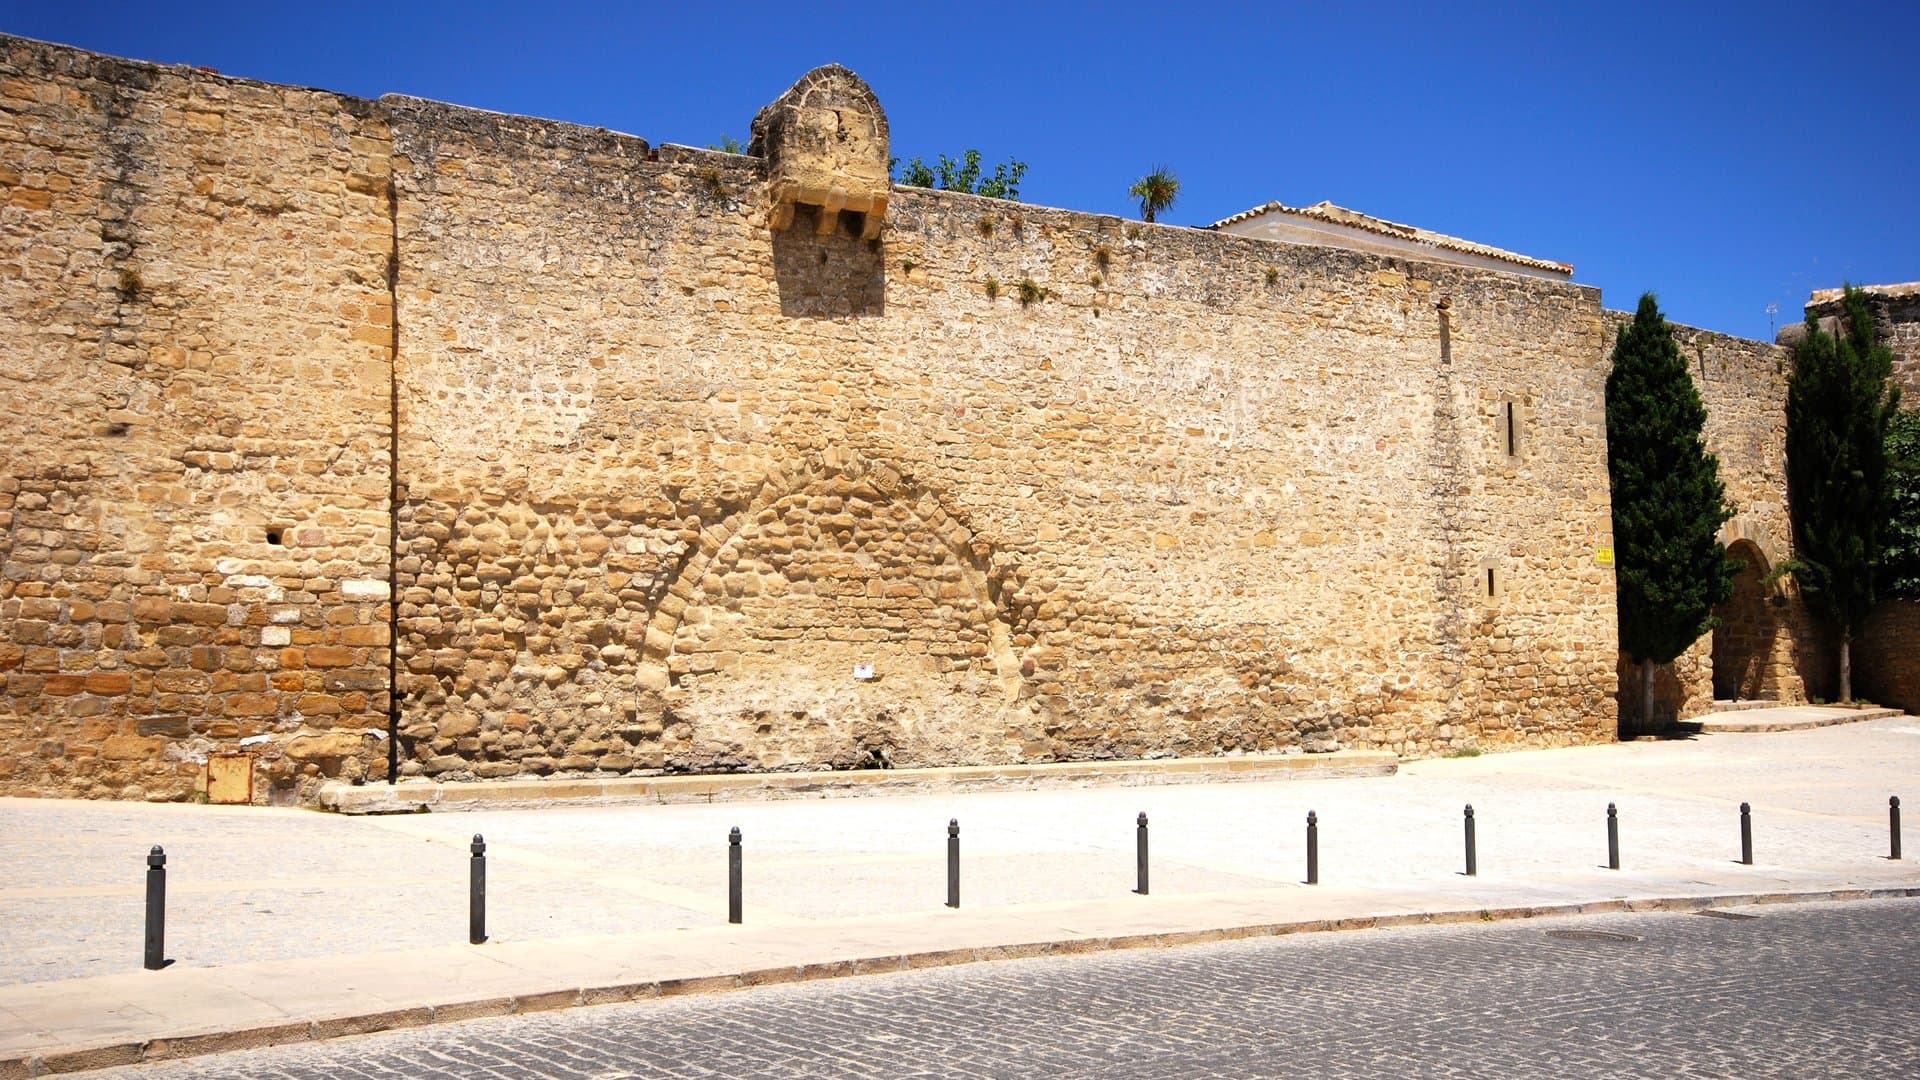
635	896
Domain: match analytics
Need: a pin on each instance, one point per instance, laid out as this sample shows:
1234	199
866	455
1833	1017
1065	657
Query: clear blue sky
1725	156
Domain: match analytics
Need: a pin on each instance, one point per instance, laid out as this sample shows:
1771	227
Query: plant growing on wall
1156	191
728	145
963	174
1839	407
1900	561
1668	504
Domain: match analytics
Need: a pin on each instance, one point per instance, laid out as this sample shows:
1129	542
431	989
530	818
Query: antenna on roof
1772	310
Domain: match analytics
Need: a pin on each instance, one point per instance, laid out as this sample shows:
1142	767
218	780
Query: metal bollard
1313	848
1613	838
953	863
1893	825
733	875
1473	860
1746	834
156	909
1140	853
477	891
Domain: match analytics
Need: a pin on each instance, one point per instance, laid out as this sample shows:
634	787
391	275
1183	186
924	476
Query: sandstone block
331	745
325	656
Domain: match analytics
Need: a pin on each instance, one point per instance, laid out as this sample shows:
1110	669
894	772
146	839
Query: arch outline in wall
976	557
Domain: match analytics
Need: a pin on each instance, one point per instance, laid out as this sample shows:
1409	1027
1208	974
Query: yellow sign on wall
1603	556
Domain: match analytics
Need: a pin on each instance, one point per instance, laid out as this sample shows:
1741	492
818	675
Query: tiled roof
1340	215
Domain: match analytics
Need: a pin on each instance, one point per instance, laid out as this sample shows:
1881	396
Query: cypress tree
1839	405
1668	505
1900	560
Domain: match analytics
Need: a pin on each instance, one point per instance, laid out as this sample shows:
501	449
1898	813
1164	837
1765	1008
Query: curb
1737	722
415	796
172	1048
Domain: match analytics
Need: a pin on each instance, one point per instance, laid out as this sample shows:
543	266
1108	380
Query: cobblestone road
1809	990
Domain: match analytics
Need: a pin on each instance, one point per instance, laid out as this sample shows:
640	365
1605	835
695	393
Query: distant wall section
1769	646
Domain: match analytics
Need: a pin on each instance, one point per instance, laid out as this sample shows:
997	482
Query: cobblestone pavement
1797	991
261	884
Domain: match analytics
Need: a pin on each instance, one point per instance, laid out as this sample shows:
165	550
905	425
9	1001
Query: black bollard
1473	860
1893	825
1313	848
156	909
1613	838
1746	834
733	875
1139	853
953	863
477	891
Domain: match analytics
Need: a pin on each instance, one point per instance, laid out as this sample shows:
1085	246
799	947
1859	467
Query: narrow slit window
1490	583
1513	444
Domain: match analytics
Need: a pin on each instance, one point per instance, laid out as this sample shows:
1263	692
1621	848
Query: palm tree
1155	191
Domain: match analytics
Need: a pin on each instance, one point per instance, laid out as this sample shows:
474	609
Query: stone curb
1737	721
80	1059
415	796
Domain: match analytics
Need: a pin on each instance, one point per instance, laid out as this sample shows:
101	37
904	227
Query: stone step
1788	718
414	796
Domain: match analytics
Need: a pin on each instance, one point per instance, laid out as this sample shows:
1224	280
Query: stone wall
1896	315
1073	487
193	490
1884	667
1884	661
1769	647
665	476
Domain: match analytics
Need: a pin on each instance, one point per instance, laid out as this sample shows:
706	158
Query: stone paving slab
413	796
1787	718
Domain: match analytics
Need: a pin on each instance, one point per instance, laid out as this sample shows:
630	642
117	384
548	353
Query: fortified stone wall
1884	669
1768	645
1072	487
1896	315
193	489
692	478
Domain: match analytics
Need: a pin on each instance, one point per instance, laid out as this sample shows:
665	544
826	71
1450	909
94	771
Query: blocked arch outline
1717	643
785	482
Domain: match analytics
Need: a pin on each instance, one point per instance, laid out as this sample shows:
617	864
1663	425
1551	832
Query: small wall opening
1509	430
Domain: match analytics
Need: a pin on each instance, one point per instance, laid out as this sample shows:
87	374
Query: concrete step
1787	718
415	796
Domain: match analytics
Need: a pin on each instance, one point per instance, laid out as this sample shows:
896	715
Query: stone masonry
194	489
1768	646
555	452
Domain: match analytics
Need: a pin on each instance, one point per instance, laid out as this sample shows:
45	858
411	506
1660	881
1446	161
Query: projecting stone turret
825	141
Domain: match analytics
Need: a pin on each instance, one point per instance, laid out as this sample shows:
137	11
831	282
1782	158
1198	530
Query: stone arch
1745	666
1756	533
827	483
